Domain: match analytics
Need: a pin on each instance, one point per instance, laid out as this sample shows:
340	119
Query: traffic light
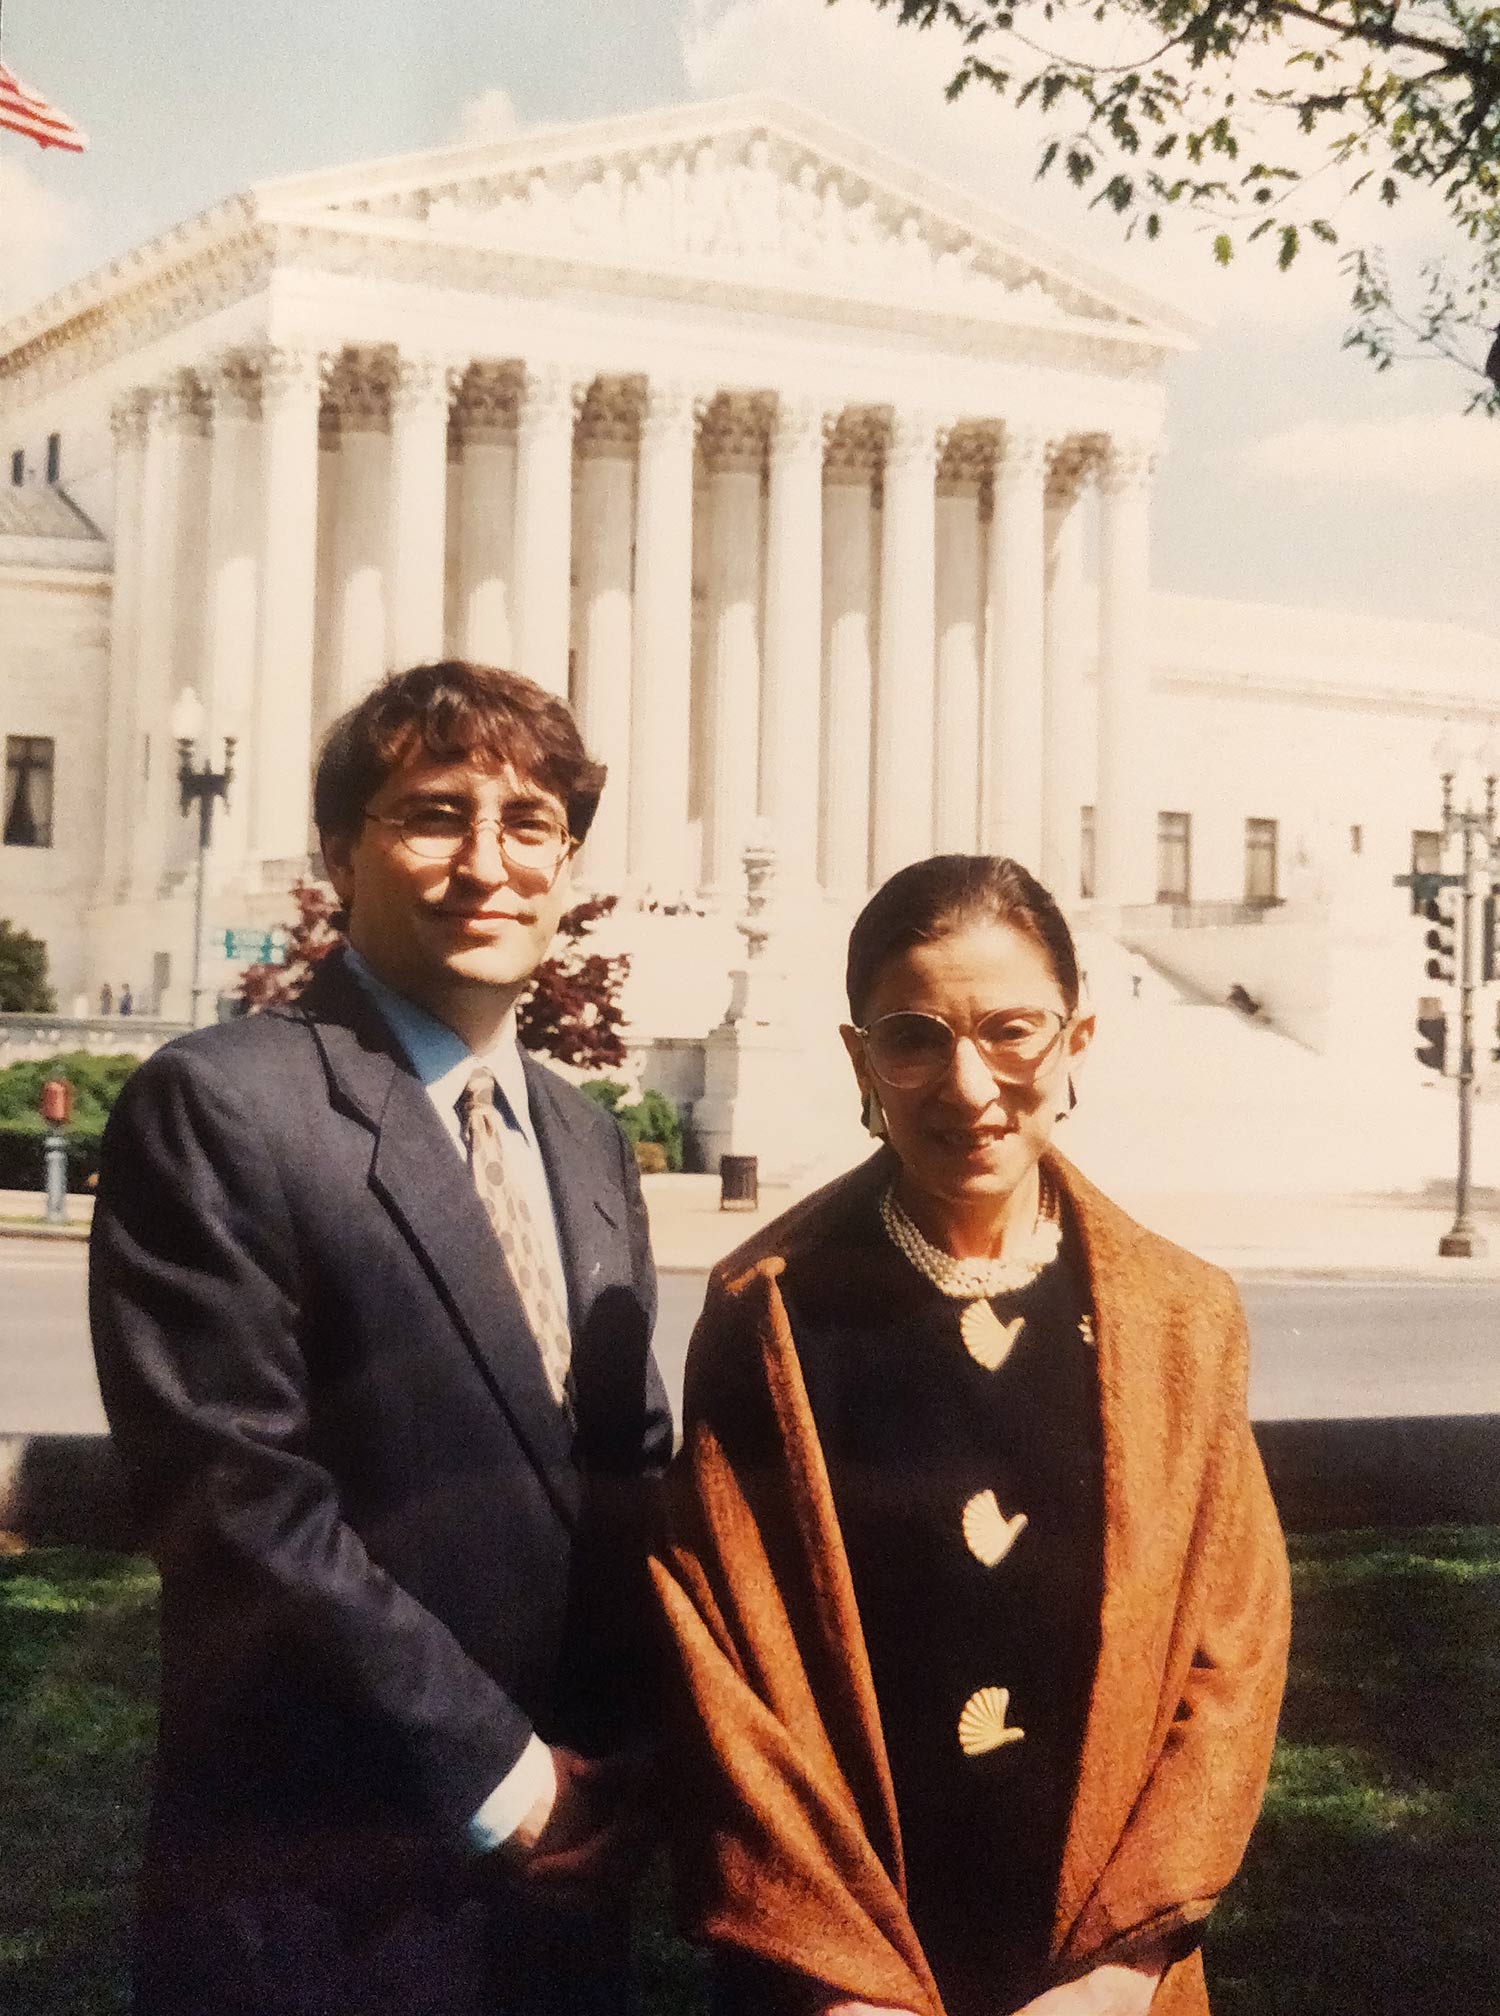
1440	942
1432	1051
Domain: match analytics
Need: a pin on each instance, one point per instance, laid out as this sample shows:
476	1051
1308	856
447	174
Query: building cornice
216	259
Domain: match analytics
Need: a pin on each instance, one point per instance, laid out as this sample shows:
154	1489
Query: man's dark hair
933	898
453	711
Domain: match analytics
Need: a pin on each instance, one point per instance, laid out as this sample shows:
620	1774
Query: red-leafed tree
310	938
572	1013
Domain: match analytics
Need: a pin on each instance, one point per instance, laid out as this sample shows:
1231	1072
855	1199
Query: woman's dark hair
932	898
451	711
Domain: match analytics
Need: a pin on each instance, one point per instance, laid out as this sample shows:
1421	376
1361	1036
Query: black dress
913	1431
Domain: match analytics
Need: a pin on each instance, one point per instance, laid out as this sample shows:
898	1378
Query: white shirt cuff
529	1781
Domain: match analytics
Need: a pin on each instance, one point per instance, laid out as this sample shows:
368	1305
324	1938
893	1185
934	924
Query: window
1356	839
1260	862
54	457
1174	850
28	791
1086	852
18	466
1426	853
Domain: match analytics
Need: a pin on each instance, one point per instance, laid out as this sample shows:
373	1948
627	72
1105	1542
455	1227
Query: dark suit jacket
385	1555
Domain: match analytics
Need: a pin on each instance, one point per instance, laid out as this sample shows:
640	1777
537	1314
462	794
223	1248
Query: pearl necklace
974	1282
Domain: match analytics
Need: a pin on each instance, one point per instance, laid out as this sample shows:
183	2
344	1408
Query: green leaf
1223	248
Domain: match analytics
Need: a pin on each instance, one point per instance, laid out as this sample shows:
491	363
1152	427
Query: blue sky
1293	473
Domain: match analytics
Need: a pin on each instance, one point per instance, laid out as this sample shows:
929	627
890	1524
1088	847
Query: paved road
1321	1349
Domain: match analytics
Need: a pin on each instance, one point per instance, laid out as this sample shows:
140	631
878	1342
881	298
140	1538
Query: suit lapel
586	1195
416	1174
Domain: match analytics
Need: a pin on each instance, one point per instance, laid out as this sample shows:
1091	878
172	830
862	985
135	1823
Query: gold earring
873	1115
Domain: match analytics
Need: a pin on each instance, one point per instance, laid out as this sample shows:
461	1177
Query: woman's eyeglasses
910	1051
531	842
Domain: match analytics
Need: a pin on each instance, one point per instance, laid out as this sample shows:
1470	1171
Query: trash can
739	1181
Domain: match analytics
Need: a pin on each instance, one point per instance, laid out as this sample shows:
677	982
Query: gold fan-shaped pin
982	1725
988	1341
990	1535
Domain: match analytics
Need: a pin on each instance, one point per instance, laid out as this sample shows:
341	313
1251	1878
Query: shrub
652	1119
96	1083
23	973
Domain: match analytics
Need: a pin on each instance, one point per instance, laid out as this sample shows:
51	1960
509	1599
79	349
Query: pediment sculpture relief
752	202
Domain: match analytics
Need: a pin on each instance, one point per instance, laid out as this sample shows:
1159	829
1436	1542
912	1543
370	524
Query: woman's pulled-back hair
933	898
453	711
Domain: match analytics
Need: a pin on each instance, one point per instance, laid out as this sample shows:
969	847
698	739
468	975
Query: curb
45	1232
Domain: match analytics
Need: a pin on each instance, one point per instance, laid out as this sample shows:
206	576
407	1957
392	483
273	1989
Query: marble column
601	697
791	699
901	820
1063	695
420	392
175	417
1125	804
232	532
364	545
128	422
848	670
959	606
734	661
1014	648
281	740
544	526
486	516
661	686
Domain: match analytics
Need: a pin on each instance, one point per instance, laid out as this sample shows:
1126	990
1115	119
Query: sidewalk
1375	1237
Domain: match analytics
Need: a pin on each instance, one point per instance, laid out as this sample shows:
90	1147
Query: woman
973	1577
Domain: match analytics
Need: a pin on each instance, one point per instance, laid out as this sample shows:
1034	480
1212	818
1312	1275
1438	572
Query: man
372	1302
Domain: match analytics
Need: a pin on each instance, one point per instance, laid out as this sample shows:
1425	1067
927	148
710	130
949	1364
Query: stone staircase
1178	1094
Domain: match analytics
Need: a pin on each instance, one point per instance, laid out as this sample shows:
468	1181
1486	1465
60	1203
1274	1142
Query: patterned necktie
526	1256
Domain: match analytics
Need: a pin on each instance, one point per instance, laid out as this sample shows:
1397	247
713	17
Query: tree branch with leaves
1264	118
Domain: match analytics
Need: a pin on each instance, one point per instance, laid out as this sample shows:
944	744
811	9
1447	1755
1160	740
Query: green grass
1369	1890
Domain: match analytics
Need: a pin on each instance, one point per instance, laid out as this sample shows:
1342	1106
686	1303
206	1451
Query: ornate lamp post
1480	866
200	784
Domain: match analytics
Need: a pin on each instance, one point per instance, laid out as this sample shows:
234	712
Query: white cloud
39	233
857	65
490	116
1413	455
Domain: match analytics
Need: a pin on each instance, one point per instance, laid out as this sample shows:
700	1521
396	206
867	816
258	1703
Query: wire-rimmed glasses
910	1050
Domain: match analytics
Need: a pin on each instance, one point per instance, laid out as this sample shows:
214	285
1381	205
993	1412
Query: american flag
24	112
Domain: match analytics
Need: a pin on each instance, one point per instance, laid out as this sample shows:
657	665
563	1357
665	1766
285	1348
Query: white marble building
821	489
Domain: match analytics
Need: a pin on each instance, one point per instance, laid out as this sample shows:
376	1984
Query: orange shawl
791	1844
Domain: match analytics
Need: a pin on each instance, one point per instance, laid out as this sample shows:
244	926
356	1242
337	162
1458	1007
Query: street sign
256	948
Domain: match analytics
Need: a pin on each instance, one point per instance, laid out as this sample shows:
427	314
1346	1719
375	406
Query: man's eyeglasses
531	842
910	1051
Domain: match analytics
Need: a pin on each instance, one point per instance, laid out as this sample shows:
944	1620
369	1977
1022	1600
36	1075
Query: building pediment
751	193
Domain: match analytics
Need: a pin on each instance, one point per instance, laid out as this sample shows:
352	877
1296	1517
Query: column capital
913	442
183	403
1129	462
735	425
853	445
290	374
487	398
128	417
609	422
421	383
233	384
1071	460
798	427
551	397
1023	454
672	408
